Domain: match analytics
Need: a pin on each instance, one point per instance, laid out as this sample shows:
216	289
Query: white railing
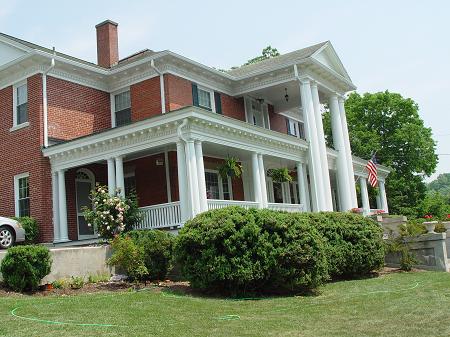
285	207
216	204
158	216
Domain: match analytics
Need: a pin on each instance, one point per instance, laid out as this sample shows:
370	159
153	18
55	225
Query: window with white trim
216	187
296	128
204	98
20	98
122	108
22	195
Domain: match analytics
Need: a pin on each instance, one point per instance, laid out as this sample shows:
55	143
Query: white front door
84	184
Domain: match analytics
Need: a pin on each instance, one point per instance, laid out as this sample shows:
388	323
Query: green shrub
129	257
98	278
354	244
76	282
24	267
157	247
60	284
31	228
237	250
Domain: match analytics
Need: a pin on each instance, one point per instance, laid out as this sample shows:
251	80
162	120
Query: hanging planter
230	168
280	175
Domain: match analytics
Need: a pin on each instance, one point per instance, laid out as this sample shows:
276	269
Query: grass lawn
402	304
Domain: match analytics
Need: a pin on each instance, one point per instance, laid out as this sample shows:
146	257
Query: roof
277	61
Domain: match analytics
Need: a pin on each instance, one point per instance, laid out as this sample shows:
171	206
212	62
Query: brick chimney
107	44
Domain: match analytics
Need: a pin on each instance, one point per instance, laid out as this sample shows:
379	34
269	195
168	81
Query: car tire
7	237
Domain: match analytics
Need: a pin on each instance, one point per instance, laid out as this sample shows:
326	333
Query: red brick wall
233	107
178	92
145	99
277	122
23	155
75	110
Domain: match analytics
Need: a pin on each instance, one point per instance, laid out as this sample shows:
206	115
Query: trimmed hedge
24	267
236	250
31	228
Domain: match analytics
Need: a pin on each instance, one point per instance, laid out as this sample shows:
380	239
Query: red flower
428	216
448	216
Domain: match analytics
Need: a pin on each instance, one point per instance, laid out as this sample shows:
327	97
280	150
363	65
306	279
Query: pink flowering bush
111	215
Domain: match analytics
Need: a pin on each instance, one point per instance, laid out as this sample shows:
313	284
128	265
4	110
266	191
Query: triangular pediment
9	52
328	57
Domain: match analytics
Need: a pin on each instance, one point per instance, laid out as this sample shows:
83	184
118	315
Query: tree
441	184
390	125
267	53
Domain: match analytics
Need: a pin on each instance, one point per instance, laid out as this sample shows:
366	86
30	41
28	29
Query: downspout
161	85
179	132
44	97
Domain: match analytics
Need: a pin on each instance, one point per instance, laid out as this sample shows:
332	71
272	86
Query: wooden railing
159	216
216	204
286	207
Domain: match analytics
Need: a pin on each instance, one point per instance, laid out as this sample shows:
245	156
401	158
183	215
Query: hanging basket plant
280	175
230	168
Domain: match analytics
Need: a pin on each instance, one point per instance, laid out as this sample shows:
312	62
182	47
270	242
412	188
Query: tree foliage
390	125
266	53
441	184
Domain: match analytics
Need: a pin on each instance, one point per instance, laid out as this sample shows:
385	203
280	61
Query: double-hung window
295	128
206	98
22	195
20	104
216	187
122	108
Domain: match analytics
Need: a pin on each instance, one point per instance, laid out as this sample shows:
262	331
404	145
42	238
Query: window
295	128
130	184
22	195
20	98
257	112
122	108
216	187
206	98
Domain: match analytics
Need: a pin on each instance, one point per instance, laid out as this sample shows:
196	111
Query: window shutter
194	94
218	102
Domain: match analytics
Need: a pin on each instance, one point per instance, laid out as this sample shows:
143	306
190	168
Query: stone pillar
383	198
256	180
62	199
201	176
262	177
111	177
120	181
322	149
314	154
192	177
364	195
55	206
182	182
339	144
302	186
348	152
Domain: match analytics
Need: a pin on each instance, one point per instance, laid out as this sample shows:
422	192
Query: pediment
328	57
9	53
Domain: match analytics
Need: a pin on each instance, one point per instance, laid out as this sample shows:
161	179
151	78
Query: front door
84	183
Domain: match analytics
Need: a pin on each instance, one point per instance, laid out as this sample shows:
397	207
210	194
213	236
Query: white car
10	232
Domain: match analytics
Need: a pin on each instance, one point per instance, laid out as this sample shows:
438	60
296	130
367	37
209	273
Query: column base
61	241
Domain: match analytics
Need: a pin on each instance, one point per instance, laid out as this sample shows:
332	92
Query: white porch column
63	227
302	186
120	182
262	177
182	182
383	197
192	177
348	152
111	176
322	149
339	144
201	176
314	155
364	195
55	205
379	203
256	180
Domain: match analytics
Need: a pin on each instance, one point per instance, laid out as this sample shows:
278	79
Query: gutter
44	97
161	85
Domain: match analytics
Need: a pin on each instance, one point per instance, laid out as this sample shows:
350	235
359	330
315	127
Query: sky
402	46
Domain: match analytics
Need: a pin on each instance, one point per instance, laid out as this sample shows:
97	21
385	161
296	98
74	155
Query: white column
339	145
322	149
364	195
348	152
383	197
201	176
182	182
63	226
120	182
262	177
314	155
111	176
256	180
55	205
192	177
302	186
167	170
379	203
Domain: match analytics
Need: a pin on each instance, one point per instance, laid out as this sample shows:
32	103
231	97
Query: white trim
16	191
20	126
91	180
167	168
211	97
112	96
14	109
220	183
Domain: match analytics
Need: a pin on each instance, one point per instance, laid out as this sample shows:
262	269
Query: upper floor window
206	98
295	128
20	98
22	195
257	112
122	108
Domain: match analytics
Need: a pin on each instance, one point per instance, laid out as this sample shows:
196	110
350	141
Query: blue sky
402	46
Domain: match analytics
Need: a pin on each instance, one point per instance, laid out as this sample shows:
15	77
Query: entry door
84	184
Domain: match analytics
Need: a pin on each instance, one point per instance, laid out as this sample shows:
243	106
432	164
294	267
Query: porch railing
158	216
286	207
216	204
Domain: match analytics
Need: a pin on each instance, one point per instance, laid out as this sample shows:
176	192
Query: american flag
372	168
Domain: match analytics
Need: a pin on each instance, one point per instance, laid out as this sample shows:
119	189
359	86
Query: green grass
407	304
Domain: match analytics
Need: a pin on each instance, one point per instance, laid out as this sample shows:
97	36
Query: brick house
160	123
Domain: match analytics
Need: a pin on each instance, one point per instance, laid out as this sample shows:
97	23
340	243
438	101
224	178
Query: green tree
390	125
267	53
441	184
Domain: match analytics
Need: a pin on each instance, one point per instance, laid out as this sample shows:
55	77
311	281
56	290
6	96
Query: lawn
401	304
